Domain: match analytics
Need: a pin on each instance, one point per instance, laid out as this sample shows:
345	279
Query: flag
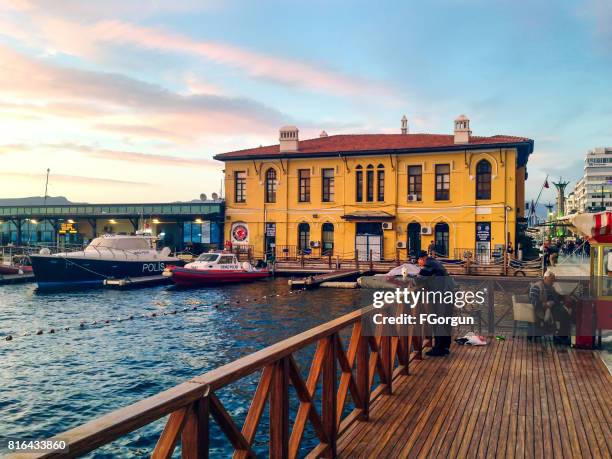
546	185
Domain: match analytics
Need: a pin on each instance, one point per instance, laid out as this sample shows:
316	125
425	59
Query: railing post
385	355
357	259
328	396
329	259
279	410
195	433
302	258
371	262
491	305
363	376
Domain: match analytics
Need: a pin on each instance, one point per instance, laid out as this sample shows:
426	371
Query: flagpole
539	194
46	187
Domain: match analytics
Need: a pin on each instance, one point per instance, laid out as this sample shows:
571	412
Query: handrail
191	404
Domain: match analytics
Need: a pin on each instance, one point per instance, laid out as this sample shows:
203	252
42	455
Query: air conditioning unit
387	225
400	244
315	244
413	197
426	230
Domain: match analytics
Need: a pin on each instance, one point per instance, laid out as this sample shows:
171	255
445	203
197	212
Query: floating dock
318	279
16	279
137	282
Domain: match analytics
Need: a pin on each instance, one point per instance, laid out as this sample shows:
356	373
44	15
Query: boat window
127	243
208	257
226	260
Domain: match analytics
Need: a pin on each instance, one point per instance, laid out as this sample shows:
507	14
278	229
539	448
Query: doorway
414	239
369	241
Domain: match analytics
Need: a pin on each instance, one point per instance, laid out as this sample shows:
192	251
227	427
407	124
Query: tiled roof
355	143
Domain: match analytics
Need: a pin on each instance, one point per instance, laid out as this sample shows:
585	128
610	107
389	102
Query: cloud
288	72
599	13
65	91
147	159
55	33
75	179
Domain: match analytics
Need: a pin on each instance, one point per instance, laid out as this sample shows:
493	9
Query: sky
128	101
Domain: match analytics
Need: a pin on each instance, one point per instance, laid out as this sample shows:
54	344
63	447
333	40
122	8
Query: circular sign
240	233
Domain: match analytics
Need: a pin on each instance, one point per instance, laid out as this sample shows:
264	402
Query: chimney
404	125
323	134
462	129
288	138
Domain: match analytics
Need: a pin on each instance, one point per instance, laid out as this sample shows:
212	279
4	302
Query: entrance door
414	239
483	242
270	239
369	239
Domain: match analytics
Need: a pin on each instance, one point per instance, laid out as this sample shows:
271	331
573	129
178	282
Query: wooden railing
355	374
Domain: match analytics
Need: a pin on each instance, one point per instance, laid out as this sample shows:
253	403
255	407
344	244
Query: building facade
376	196
593	192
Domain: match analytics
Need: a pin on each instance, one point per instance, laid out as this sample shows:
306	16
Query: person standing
433	276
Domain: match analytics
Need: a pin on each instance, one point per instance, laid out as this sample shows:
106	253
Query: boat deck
512	398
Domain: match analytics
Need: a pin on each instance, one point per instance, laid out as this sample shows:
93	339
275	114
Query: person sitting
552	310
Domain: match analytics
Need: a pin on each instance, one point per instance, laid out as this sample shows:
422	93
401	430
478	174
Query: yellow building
382	195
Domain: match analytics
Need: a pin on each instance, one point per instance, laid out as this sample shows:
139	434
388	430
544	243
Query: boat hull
58	273
186	277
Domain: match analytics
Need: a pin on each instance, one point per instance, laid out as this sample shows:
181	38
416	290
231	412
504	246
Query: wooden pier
318	279
137	282
380	397
16	278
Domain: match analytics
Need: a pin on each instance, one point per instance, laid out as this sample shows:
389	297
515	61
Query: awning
368	215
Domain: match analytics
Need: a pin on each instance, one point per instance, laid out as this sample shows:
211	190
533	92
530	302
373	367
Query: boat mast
46	187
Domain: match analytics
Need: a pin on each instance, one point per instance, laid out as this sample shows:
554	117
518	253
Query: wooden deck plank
446	400
435	413
513	399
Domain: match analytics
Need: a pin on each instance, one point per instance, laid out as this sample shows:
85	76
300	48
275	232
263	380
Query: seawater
52	382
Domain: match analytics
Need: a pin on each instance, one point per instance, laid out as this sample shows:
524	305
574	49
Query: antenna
46	187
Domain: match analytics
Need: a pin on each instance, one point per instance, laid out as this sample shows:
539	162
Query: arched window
370	183
441	237
359	184
327	239
380	183
271	185
303	237
483	179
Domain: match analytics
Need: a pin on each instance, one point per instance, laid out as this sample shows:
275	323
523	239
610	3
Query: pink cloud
285	71
72	179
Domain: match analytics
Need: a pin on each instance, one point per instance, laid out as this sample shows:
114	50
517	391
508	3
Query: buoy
195	308
94	322
8	338
153	314
130	317
82	324
52	330
39	332
107	321
66	328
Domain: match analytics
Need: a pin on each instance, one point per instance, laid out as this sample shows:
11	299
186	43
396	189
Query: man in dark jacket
434	277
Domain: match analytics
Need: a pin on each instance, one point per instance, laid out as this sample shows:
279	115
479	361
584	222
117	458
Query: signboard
240	233
483	231
271	229
68	228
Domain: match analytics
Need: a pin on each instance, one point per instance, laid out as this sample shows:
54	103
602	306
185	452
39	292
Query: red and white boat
214	268
19	265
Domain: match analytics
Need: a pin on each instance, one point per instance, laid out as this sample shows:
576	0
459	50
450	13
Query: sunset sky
128	101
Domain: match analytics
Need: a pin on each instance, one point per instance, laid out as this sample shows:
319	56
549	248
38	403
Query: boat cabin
216	260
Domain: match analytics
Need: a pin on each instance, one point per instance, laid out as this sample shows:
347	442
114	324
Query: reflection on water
56	381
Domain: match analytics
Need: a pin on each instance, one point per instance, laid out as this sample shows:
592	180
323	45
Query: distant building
177	225
593	192
377	195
